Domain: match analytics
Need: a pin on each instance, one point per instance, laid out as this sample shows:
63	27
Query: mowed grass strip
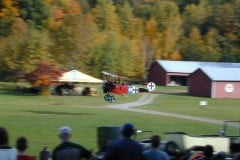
38	118
178	101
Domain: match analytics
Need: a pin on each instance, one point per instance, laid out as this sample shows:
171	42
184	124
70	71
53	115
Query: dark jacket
125	149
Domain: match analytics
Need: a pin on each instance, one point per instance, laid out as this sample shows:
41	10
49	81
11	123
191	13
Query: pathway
148	98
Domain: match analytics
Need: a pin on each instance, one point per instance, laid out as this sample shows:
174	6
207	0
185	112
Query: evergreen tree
34	12
196	15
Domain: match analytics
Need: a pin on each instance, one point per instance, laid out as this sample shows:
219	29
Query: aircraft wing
111	75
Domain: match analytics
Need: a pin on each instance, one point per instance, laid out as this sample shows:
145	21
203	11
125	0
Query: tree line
118	36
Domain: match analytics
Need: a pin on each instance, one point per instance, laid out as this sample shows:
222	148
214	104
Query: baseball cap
128	129
65	130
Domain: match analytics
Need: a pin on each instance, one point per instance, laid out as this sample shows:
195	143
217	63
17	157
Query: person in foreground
44	154
126	148
22	145
68	150
154	153
6	152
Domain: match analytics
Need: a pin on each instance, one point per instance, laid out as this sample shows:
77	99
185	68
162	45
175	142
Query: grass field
179	101
38	117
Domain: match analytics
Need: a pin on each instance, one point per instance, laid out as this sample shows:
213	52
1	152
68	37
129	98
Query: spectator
68	150
154	153
6	152
22	146
207	152
44	154
236	156
219	156
126	148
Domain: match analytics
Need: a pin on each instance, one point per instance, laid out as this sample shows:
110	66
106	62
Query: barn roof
191	66
222	74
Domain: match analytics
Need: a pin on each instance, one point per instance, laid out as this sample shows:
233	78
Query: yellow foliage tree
8	9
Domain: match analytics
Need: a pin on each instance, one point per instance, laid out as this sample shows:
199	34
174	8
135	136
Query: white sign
151	86
229	87
203	103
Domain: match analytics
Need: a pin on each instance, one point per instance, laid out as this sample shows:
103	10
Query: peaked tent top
77	76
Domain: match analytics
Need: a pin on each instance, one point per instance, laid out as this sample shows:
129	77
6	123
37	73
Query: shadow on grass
58	113
177	93
14	92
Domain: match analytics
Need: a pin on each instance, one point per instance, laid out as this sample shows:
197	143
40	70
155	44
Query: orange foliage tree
45	74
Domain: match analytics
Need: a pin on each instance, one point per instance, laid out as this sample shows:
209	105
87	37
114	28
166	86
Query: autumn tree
125	15
102	55
163	32
10	47
149	42
45	73
124	36
196	15
191	45
132	29
105	16
85	6
63	32
164	12
212	48
201	48
183	3
8	13
85	33
63	46
24	48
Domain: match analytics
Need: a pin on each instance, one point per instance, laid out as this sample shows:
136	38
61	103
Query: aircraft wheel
106	97
111	99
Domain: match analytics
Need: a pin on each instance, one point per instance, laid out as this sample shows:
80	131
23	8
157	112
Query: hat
65	130
128	129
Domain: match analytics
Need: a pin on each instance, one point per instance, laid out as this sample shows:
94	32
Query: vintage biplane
115	84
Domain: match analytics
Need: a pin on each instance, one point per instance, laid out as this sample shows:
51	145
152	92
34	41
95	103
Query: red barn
166	72
215	82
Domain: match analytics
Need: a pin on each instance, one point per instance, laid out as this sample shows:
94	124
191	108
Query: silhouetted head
21	144
155	141
208	150
3	136
128	130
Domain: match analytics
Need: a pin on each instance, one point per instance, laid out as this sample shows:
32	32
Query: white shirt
8	154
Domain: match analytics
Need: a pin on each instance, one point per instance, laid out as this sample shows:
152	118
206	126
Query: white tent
77	76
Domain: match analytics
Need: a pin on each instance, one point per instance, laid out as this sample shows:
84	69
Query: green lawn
38	117
223	109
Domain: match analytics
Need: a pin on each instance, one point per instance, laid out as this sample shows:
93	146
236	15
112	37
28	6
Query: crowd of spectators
126	148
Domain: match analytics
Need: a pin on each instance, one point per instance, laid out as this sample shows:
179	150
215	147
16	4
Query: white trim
213	89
